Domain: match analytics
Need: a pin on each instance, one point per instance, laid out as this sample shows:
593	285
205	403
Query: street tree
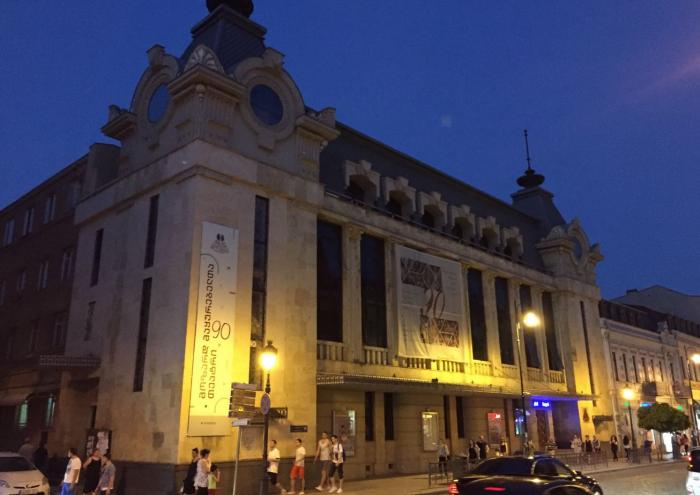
662	418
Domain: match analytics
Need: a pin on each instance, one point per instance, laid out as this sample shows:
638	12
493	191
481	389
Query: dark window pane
151	233
388	416
553	355
355	191
373	291
506	465
446	407
532	356
329	282
428	219
505	329
96	257
394	207
477	317
584	324
266	104
460	417
369	416
143	335
259	296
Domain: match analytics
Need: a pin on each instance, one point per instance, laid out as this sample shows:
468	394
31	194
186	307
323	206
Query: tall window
460	416
329	282
477	317
505	329
33	336
634	367
8	234
553	355
43	278
22	415
96	257
50	208
257	326
28	224
151	233
584	325
58	335
661	372
88	320
532	356
74	193
373	291
446	408
615	366
66	264
50	411
369	416
21	281
388	416
673	372
624	364
144	314
645	375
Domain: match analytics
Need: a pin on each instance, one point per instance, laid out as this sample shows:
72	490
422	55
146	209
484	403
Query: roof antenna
529	179
527	150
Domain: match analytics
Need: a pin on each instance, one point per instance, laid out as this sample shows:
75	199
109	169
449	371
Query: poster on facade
495	427
431	431
431	306
344	428
212	363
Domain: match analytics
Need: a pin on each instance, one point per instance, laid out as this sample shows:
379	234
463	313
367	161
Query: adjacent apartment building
233	214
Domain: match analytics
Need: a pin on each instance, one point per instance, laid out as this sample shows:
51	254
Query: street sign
265	404
242	402
298	428
240	422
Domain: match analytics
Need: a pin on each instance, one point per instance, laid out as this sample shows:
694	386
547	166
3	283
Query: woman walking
627	445
473	455
614	446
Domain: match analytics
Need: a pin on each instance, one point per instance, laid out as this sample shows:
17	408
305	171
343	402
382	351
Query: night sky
609	91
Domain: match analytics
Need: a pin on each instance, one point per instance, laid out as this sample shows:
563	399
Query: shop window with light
50	411
22	415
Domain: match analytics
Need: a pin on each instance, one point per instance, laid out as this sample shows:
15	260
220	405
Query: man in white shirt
298	468
273	465
72	473
337	459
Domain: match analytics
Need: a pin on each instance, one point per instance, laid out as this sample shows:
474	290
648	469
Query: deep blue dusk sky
610	93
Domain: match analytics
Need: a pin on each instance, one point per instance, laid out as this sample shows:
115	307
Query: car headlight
4	484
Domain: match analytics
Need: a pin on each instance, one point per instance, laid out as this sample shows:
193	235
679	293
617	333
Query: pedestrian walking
214	479
273	465
596	445
107	475
40	458
443	455
588	448
685	443
298	469
483	447
92	467
473	452
26	450
337	460
323	453
72	476
503	447
201	479
614	446
188	482
627	445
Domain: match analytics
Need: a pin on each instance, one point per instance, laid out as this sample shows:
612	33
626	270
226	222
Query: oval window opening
266	104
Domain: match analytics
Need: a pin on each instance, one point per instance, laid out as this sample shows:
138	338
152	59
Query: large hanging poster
431	306
212	365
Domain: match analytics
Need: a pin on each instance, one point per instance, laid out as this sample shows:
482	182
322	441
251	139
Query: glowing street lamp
529	320
268	360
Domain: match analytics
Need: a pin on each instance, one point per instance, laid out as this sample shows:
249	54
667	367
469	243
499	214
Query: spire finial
527	150
243	7
529	179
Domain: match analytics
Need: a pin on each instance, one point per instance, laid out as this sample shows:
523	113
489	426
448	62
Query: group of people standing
476	451
202	476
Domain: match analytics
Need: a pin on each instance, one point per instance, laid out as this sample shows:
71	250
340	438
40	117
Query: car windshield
506	465
12	464
695	461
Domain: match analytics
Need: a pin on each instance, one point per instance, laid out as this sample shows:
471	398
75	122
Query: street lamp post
628	394
695	358
529	320
268	359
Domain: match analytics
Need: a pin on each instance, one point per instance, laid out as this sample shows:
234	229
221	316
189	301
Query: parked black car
535	472
519	485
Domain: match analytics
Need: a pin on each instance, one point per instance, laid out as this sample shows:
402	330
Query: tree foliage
663	418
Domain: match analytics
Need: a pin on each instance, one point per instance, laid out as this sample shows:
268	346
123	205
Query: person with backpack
337	460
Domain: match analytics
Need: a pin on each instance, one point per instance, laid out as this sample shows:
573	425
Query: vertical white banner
431	306
212	366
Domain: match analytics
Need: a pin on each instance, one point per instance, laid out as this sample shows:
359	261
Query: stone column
494	348
352	294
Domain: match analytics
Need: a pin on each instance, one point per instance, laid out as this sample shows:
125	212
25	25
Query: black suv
533	472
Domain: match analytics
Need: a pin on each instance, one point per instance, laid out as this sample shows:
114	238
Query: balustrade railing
484	368
330	351
376	355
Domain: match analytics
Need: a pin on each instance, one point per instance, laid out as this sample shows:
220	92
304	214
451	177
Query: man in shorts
273	465
298	469
337	459
323	452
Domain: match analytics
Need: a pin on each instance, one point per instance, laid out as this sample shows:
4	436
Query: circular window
266	104
158	104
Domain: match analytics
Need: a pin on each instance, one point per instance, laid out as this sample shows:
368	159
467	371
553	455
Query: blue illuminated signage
542	404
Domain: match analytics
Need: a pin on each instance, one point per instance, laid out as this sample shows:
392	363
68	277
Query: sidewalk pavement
417	484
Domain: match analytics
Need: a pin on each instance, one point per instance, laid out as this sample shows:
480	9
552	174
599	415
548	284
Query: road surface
659	479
